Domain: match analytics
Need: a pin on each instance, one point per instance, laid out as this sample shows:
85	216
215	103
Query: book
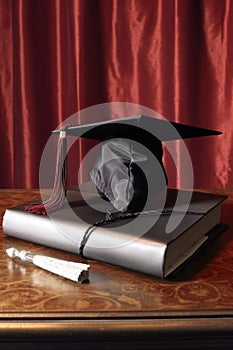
141	243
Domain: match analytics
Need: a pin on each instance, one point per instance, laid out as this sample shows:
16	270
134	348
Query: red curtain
60	56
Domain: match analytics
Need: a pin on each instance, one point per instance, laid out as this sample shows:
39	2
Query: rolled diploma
74	271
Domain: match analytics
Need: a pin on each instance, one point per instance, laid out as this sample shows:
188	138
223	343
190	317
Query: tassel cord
58	195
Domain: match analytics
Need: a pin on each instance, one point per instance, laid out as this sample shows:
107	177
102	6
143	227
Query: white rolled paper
74	271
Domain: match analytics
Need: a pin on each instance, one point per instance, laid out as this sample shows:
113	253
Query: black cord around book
110	218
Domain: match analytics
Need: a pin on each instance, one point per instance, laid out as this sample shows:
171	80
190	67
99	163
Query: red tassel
58	195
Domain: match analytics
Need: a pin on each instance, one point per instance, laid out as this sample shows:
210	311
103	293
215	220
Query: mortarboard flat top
137	125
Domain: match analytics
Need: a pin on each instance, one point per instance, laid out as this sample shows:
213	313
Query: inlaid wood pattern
205	284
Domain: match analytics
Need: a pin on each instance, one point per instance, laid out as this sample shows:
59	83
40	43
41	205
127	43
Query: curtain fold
60	56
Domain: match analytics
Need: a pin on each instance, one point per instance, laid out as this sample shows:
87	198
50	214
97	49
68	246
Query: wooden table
117	308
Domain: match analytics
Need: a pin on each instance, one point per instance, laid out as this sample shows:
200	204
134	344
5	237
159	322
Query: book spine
103	245
36	229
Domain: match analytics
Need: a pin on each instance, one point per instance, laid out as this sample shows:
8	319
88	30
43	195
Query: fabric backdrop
60	56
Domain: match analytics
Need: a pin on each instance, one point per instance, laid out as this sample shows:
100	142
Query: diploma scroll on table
74	271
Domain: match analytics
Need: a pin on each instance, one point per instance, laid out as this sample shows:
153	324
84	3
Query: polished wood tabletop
117	305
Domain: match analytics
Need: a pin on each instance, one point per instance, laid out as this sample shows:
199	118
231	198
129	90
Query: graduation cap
131	153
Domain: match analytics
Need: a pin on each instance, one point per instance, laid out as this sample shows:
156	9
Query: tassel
58	195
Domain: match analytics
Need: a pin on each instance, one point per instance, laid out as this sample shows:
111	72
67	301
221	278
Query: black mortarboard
124	127
131	153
